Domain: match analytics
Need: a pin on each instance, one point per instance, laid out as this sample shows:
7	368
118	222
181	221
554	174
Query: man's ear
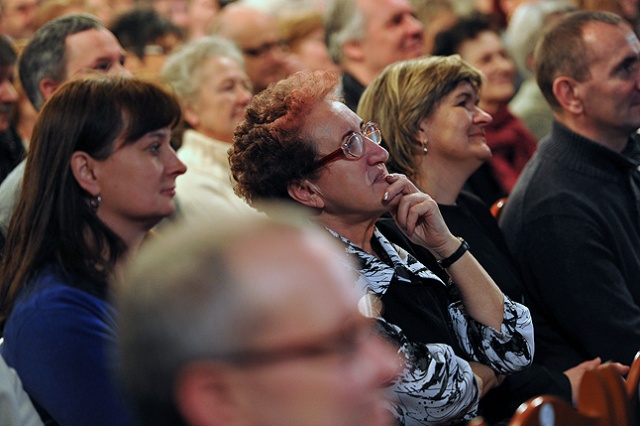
203	396
83	169
306	193
354	51
48	86
567	92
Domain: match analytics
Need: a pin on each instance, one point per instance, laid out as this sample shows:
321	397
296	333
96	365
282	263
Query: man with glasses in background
255	32
364	36
250	321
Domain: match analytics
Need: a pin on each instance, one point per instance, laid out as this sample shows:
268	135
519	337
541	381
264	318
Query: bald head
255	32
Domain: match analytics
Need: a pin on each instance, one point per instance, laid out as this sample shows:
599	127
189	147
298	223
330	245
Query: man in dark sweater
572	221
364	36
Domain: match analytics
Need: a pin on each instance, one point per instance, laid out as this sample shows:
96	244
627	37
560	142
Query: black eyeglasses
352	146
265	48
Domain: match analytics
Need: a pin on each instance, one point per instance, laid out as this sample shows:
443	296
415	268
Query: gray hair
44	56
180	301
525	28
344	21
182	68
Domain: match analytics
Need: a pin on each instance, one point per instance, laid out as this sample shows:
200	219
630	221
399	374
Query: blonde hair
406	92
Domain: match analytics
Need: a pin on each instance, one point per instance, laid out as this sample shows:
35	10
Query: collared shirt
207	187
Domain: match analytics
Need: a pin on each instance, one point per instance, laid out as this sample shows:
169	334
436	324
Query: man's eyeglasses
266	48
346	343
352	146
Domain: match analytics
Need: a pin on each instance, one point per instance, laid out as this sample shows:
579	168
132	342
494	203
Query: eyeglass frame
348	155
346	343
262	50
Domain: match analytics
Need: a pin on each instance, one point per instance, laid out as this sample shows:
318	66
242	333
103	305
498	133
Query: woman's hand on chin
419	217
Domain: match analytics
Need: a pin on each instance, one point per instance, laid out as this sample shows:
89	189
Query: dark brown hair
53	223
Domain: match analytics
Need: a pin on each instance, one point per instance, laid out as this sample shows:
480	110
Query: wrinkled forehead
296	282
330	119
91	48
606	41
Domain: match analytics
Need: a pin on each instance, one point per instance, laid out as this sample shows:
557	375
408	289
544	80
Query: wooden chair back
632	384
550	410
603	395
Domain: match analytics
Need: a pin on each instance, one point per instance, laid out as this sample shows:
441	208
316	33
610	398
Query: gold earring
424	146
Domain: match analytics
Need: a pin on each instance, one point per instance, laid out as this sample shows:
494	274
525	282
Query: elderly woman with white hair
209	78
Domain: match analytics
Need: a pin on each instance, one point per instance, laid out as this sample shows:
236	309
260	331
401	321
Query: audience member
512	144
17	18
100	173
209	78
64	48
523	32
435	16
571	222
285	342
364	36
303	33
432	102
301	143
12	150
256	34
148	38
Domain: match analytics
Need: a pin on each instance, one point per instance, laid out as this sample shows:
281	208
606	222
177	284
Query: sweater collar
588	157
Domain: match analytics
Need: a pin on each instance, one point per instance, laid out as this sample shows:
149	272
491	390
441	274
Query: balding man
252	322
256	34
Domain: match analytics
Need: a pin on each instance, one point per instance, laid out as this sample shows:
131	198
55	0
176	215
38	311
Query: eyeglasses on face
352	146
347	343
265	48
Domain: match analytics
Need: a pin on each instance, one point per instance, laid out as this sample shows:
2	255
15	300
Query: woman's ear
83	169
306	193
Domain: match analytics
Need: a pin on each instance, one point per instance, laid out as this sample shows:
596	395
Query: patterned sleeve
506	351
436	387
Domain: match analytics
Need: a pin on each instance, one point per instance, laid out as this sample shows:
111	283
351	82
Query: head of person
249	321
477	41
364	36
436	16
214	90
256	34
143	30
18	18
8	93
588	68
65	48
303	33
525	28
300	142
100	172
428	103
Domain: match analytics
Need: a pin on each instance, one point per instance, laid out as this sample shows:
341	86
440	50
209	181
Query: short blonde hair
406	92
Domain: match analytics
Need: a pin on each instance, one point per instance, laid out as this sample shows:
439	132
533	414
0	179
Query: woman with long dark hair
100	174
